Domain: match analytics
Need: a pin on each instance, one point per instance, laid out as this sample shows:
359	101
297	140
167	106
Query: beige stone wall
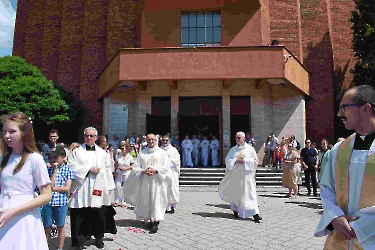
200	88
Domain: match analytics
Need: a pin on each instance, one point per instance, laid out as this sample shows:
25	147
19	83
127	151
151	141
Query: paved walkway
203	221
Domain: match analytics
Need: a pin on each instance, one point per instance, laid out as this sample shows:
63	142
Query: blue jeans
58	213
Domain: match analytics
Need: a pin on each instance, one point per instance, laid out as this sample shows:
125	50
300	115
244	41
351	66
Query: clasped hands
94	170
149	171
342	227
240	160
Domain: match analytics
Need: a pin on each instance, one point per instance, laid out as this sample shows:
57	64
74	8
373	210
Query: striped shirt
64	173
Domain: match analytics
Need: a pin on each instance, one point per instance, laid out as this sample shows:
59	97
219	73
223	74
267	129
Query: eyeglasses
165	140
91	136
289	146
308	142
53	136
123	148
343	106
238	138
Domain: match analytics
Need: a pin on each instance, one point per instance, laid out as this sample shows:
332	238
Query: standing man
250	140
146	188
115	142
238	185
133	139
309	161
89	193
53	136
173	176
214	145
187	148
205	145
273	145
196	144
348	180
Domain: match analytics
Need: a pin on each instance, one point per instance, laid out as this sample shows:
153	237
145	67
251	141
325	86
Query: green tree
24	88
363	18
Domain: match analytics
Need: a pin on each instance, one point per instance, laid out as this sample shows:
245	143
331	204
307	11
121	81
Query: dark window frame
192	29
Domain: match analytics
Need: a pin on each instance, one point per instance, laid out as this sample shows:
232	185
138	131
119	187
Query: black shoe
172	210
99	243
235	213
154	227
308	194
257	217
316	195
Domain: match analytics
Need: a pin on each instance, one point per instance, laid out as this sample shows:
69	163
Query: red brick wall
318	58
51	39
34	35
286	25
20	31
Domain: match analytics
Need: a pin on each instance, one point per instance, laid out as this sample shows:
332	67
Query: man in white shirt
187	147
205	146
195	154
214	145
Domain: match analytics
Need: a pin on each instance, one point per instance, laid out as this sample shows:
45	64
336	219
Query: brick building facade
79	45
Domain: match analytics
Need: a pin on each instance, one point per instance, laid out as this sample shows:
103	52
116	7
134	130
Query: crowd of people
82	177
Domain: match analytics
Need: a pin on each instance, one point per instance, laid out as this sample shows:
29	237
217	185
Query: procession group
83	181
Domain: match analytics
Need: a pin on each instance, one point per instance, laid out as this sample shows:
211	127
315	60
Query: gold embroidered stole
367	198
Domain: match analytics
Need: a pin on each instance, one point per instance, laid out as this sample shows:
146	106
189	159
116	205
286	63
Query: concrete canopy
275	64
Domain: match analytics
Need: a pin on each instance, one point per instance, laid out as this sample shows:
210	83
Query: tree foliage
363	18
24	88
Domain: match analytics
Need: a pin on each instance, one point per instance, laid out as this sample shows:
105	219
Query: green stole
367	198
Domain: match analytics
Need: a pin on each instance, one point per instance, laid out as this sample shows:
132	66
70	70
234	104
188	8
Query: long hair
27	137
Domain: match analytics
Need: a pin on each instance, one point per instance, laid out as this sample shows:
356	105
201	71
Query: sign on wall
118	120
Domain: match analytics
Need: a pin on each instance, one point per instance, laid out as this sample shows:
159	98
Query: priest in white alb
187	148
173	176
238	185
205	146
196	144
214	145
348	179
89	192
146	187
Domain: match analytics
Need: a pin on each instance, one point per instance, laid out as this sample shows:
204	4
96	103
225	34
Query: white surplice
173	175
364	227
187	147
148	193
238	185
82	187
214	145
196	144
205	145
122	176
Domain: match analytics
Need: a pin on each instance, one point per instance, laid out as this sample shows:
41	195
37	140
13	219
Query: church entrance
159	121
200	116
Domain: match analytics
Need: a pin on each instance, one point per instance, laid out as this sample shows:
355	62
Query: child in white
124	166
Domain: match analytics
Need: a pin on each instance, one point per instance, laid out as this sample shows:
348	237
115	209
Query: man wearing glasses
309	158
348	179
53	136
89	192
238	185
173	176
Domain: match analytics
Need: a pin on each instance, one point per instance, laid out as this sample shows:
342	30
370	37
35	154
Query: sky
7	19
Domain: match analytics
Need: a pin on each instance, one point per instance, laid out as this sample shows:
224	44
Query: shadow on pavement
306	204
225	206
53	242
220	215
132	223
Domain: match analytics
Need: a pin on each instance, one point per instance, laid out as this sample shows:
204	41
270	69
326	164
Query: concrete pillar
226	122
174	111
144	107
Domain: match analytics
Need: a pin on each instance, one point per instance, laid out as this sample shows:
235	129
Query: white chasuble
205	145
91	190
173	175
187	147
238	185
214	145
196	144
148	193
347	188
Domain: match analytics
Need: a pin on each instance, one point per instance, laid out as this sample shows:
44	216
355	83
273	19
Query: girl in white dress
124	163
22	169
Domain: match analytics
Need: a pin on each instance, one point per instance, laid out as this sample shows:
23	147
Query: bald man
238	185
146	187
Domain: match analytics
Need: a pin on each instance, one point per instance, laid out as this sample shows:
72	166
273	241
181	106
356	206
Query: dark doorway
206	125
240	111
159	121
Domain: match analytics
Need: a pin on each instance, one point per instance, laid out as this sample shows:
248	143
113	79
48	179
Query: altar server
146	187
205	145
214	145
187	148
238	185
173	176
89	191
348	180
196	144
